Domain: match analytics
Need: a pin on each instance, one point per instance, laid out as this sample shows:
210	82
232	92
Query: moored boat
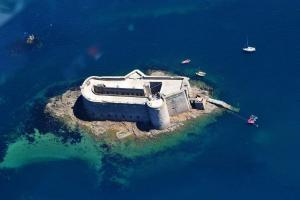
252	120
249	49
186	61
201	73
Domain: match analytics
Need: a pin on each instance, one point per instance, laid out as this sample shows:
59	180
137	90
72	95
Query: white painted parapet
158	113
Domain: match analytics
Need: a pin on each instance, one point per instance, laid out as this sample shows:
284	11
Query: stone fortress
136	105
137	97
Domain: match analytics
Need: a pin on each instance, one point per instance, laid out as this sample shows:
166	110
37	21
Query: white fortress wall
158	113
116	112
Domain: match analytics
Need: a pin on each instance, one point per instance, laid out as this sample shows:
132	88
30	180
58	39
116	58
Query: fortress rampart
136	97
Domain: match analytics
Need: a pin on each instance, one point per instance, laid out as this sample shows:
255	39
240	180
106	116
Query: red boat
94	52
186	61
252	120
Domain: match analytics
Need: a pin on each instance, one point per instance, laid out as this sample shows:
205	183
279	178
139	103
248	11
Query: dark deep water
239	162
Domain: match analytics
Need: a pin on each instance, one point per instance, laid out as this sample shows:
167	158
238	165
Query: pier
222	104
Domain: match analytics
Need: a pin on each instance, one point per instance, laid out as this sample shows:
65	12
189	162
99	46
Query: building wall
159	117
197	103
178	103
158	114
116	112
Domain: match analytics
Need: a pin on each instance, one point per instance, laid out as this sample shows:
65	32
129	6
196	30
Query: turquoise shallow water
227	160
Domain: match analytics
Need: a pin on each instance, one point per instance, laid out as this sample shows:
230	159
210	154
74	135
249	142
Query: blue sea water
237	162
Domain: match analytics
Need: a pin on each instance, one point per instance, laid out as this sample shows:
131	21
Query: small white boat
249	49
30	39
186	61
201	73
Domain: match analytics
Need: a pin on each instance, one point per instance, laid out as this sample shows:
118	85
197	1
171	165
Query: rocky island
135	105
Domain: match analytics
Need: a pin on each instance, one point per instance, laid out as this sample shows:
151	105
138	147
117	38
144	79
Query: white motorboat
201	73
249	49
186	61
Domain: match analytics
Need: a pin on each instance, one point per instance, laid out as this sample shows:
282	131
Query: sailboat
249	49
